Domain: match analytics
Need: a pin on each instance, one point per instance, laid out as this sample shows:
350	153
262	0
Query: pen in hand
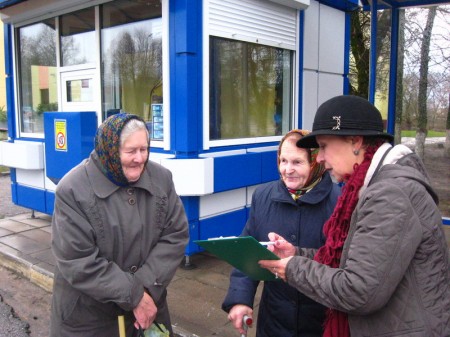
267	243
271	243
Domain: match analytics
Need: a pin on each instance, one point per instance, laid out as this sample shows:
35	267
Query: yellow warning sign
61	135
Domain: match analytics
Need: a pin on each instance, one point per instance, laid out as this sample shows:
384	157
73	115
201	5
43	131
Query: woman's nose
319	157
289	167
139	156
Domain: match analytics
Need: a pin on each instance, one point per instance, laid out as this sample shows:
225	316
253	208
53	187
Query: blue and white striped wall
215	180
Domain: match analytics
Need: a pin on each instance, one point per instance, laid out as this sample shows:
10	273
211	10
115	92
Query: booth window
250	89
37	74
78	37
131	37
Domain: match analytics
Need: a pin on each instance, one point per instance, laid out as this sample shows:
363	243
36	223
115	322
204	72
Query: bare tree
422	120
360	50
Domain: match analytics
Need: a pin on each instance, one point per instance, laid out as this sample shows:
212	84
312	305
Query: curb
44	279
31	272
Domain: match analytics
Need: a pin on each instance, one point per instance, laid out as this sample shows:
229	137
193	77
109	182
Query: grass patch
431	133
4	169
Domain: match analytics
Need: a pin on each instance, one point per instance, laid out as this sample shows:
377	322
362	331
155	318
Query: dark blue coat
283	311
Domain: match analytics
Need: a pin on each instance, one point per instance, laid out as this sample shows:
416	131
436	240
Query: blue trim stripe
404	4
392	98
347	50
9	82
8	3
344	5
373	54
301	48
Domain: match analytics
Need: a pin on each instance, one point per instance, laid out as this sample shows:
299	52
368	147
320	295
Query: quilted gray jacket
394	276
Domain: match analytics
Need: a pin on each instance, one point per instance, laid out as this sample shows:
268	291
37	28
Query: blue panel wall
269	168
226	224
191	206
243	170
30	198
186	77
236	171
49	202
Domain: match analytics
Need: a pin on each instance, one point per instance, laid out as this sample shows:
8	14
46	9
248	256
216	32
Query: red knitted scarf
336	230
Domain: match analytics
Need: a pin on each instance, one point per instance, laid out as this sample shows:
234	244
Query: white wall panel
21	154
311	37
331	40
297	4
191	176
330	85
223	202
250	191
49	185
323	64
310	89
30	178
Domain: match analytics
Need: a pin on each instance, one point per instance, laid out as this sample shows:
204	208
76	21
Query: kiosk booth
217	81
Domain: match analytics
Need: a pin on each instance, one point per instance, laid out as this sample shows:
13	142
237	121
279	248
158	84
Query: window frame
209	32
34	19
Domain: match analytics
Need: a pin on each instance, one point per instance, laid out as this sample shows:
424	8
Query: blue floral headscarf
107	145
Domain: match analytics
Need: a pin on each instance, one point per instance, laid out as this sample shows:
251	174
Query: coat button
293	238
133	269
132	201
130	191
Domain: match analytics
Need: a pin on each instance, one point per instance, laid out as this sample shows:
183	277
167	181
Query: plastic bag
156	330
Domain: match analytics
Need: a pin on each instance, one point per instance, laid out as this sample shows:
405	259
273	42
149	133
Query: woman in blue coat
296	207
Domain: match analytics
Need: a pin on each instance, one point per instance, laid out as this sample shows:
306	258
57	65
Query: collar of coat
314	196
103	187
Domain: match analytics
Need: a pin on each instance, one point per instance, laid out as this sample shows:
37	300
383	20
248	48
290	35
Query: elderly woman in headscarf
119	231
297	206
384	269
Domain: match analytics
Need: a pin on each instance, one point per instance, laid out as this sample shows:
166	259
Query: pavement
194	295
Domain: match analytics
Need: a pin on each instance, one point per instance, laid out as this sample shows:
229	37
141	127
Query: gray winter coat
394	276
111	243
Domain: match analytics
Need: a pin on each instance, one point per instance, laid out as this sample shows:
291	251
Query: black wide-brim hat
345	115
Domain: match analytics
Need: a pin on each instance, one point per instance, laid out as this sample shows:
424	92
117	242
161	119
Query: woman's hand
281	248
277	267
145	312
236	316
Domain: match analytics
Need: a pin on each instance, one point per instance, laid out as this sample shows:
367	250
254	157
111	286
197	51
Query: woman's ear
357	141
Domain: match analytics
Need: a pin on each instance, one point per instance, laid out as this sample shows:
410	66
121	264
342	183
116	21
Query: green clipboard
243	253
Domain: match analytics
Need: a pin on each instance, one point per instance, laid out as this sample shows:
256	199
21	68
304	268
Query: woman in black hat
384	269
